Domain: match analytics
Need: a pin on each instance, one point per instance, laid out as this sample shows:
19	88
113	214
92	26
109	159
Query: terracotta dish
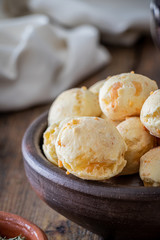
120	208
12	225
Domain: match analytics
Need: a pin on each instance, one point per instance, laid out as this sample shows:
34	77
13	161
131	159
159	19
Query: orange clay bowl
12	225
120	208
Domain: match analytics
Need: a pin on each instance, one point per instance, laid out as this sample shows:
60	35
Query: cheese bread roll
96	87
115	123
74	102
150	113
138	141
150	168
91	148
123	95
49	139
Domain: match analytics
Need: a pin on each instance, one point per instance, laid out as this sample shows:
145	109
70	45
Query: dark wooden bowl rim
34	157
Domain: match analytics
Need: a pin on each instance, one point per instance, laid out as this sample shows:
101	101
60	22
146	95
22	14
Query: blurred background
49	46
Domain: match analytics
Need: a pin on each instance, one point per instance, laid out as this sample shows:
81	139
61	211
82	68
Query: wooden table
16	195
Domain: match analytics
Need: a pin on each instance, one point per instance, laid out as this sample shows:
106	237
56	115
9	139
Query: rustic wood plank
16	195
149	62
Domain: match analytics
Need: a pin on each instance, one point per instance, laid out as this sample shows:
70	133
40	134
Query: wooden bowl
12	225
120	208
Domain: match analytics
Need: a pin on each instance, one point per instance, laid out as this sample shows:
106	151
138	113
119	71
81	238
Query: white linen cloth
39	57
119	21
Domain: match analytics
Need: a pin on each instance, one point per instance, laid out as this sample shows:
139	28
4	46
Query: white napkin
47	52
119	21
39	60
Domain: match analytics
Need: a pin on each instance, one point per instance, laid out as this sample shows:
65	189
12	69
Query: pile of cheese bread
110	129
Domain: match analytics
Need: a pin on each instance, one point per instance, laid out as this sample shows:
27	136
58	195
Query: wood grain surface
16	195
